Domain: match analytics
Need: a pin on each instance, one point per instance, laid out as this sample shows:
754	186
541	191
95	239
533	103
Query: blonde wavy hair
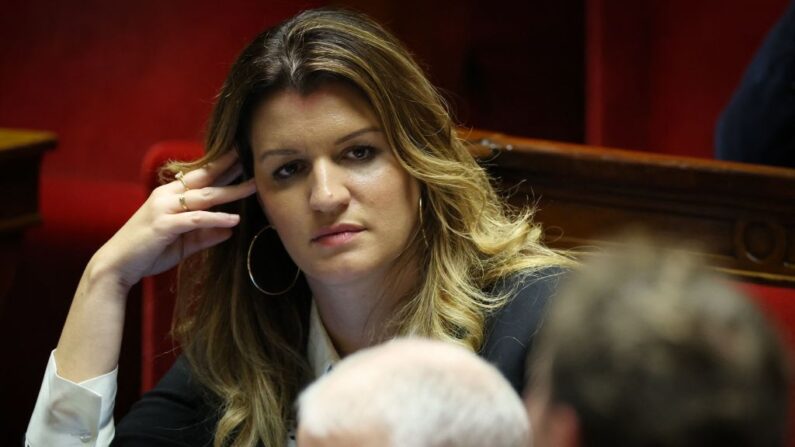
248	349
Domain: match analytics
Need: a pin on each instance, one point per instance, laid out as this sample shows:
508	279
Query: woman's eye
360	153
287	170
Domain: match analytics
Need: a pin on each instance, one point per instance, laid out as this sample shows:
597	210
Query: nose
329	192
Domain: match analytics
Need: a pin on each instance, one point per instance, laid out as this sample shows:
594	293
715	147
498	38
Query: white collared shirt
321	353
81	414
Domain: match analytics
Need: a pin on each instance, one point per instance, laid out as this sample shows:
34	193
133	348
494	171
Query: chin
342	271
338	276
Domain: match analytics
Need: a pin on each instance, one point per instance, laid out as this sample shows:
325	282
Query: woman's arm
156	238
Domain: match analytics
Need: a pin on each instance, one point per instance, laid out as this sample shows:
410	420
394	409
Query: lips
336	234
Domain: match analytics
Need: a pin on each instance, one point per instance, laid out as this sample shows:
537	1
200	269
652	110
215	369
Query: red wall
113	77
701	50
513	65
660	71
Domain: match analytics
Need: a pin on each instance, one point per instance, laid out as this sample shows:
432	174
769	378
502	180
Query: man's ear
563	426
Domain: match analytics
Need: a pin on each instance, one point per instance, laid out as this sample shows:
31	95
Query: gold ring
183	202
181	177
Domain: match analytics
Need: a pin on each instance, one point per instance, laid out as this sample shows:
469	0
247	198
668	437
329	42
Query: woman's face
330	184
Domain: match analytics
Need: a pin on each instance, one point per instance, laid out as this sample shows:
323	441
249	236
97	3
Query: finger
235	171
207	174
180	223
205	198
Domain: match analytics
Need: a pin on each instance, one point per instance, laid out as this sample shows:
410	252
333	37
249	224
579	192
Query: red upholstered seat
158	292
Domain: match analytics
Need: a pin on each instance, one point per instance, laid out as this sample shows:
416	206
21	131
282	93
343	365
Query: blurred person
648	348
412	392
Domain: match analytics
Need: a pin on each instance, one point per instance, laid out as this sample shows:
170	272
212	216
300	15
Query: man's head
648	348
412	392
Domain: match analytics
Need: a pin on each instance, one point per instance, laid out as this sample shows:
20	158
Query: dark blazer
758	125
177	413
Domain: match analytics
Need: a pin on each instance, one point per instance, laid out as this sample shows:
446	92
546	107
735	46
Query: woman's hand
164	231
173	223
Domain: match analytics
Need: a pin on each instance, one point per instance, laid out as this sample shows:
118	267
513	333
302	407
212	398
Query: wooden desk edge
25	143
485	143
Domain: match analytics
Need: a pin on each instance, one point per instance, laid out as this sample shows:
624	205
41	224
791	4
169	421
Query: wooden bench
741	216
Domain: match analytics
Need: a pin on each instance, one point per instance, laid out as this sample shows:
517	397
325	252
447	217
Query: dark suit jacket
176	412
758	125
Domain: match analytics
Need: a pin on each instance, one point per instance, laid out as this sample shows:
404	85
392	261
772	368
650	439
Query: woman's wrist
104	272
91	338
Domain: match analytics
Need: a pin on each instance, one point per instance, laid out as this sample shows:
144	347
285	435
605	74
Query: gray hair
421	393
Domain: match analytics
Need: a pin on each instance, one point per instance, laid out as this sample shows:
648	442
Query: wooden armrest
20	158
741	216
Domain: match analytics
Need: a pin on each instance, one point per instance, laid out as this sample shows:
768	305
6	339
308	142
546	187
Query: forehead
330	109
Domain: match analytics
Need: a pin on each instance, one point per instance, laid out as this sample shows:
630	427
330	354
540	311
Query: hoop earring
251	272
422	225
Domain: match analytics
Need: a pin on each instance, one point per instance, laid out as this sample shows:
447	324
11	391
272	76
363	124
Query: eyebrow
355	134
275	152
287	152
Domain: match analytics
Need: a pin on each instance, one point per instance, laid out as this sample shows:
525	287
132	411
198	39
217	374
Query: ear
563	426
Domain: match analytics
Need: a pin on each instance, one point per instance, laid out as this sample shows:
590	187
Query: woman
363	218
